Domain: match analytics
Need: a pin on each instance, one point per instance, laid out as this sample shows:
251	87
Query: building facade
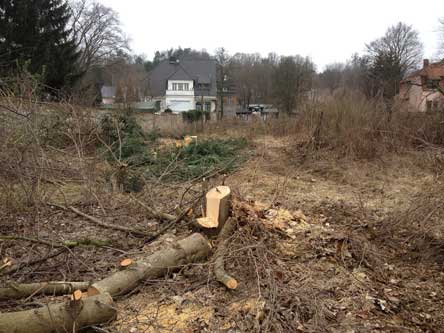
423	90
184	84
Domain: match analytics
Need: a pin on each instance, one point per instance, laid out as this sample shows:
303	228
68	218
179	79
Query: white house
185	84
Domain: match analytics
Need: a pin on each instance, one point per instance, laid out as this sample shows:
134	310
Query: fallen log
219	270
20	290
64	317
191	249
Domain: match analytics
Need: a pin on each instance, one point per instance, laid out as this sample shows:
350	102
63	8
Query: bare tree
393	56
97	31
252	76
332	76
293	79
222	58
402	43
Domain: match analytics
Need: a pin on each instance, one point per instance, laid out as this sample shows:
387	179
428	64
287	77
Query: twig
153	212
109	226
34	262
67	243
174	222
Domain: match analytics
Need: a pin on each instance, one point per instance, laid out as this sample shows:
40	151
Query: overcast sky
326	30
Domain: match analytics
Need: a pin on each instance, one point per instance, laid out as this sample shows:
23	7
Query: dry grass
350	204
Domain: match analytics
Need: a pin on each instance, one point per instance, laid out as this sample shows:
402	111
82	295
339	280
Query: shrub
353	126
192	116
124	137
153	135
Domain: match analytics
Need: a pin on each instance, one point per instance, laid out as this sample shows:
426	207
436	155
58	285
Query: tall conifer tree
35	33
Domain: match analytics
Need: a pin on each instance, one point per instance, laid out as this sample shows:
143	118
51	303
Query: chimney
425	63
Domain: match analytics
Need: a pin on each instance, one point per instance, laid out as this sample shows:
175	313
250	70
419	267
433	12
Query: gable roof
432	71
201	71
180	74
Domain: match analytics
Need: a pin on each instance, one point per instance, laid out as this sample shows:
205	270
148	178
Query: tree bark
16	291
191	249
60	317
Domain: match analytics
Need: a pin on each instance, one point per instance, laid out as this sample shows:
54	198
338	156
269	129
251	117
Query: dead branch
67	243
191	249
110	226
33	262
219	271
20	290
70	316
154	213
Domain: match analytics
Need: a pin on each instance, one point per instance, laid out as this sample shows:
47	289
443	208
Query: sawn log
191	249
20	290
65	317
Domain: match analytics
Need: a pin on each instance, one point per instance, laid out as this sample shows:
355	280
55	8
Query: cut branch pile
96	305
97	308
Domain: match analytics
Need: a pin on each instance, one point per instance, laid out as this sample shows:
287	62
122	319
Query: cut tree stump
16	290
65	317
125	263
217	208
77	295
191	249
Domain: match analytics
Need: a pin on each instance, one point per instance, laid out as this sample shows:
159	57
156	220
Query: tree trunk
15	290
60	317
191	249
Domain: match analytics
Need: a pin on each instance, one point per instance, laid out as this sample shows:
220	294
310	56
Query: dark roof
201	71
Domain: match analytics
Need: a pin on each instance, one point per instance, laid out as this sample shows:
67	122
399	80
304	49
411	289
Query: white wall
189	92
179	103
418	97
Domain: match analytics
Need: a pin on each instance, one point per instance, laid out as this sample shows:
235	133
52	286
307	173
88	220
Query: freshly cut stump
60	317
77	295
217	207
126	262
16	290
191	249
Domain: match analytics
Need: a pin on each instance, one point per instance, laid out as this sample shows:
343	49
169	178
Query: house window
174	86
180	86
432	84
207	106
199	106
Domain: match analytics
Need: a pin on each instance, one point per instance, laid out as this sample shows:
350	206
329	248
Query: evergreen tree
35	33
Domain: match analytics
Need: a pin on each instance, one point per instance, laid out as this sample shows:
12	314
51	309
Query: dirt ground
314	251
